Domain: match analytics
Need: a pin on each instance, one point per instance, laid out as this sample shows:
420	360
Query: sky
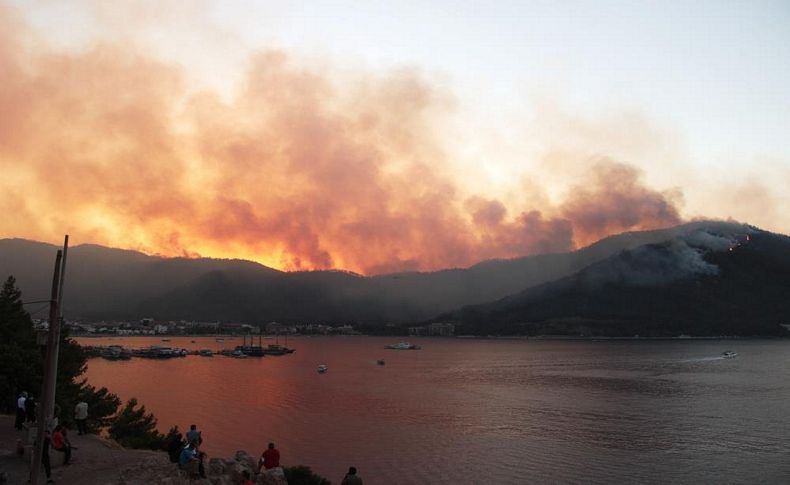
377	137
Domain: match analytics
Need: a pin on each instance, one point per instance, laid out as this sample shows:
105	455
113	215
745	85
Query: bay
481	410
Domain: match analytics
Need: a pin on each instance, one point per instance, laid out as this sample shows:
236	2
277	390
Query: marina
247	349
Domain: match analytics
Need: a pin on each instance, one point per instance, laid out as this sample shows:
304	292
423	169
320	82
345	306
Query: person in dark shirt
351	477
30	409
194	436
191	456
45	457
269	458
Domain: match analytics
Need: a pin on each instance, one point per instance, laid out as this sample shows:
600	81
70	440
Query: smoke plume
302	168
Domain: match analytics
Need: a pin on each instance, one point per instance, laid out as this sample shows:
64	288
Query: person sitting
194	436
269	458
191	460
61	443
351	477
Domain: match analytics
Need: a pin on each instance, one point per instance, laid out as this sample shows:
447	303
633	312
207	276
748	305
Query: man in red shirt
270	458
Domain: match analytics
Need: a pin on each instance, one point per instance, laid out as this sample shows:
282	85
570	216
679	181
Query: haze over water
482	411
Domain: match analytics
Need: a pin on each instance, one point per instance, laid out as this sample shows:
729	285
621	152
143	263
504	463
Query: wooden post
50	373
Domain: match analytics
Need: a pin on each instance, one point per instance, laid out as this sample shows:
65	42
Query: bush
303	475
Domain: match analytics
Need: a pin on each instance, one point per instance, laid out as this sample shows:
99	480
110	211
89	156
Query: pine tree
21	362
134	428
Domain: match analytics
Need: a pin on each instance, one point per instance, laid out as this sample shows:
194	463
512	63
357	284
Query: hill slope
697	284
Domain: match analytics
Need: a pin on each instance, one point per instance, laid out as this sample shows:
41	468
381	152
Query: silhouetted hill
698	283
104	283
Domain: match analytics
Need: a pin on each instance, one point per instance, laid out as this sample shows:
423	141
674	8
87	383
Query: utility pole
51	363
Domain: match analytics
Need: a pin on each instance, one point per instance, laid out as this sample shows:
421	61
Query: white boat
729	354
403	346
322	368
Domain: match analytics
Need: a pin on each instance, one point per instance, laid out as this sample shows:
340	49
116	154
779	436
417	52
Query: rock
217	466
236	471
272	476
222	480
244	457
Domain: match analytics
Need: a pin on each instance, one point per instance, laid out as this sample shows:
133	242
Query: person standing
45	457
351	477
20	411
81	416
269	458
30	409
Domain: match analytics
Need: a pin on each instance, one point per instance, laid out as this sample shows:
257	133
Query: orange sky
304	166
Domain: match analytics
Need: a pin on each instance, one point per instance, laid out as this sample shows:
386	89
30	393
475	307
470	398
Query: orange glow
296	172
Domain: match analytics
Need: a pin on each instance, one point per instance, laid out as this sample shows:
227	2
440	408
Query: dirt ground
95	461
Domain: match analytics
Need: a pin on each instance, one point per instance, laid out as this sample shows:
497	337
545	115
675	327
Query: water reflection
458	410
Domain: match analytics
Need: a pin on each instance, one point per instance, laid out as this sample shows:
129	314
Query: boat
322	368
403	346
276	349
165	340
729	354
220	340
380	362
238	354
206	353
116	352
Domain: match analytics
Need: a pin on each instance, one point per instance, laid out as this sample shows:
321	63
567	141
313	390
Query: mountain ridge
109	283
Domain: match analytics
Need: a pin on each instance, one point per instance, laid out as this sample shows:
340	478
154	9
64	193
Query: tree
134	428
174	443
21	365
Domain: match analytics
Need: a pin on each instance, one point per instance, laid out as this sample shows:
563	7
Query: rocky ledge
159	470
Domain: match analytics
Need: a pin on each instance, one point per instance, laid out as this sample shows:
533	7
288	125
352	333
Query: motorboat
729	354
380	362
403	346
206	353
238	354
322	368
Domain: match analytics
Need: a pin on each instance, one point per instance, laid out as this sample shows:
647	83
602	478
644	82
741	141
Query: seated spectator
190	459
269	458
61	443
351	477
194	436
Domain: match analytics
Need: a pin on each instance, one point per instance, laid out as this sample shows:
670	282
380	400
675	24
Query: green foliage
20	359
303	475
134	428
174	443
22	363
